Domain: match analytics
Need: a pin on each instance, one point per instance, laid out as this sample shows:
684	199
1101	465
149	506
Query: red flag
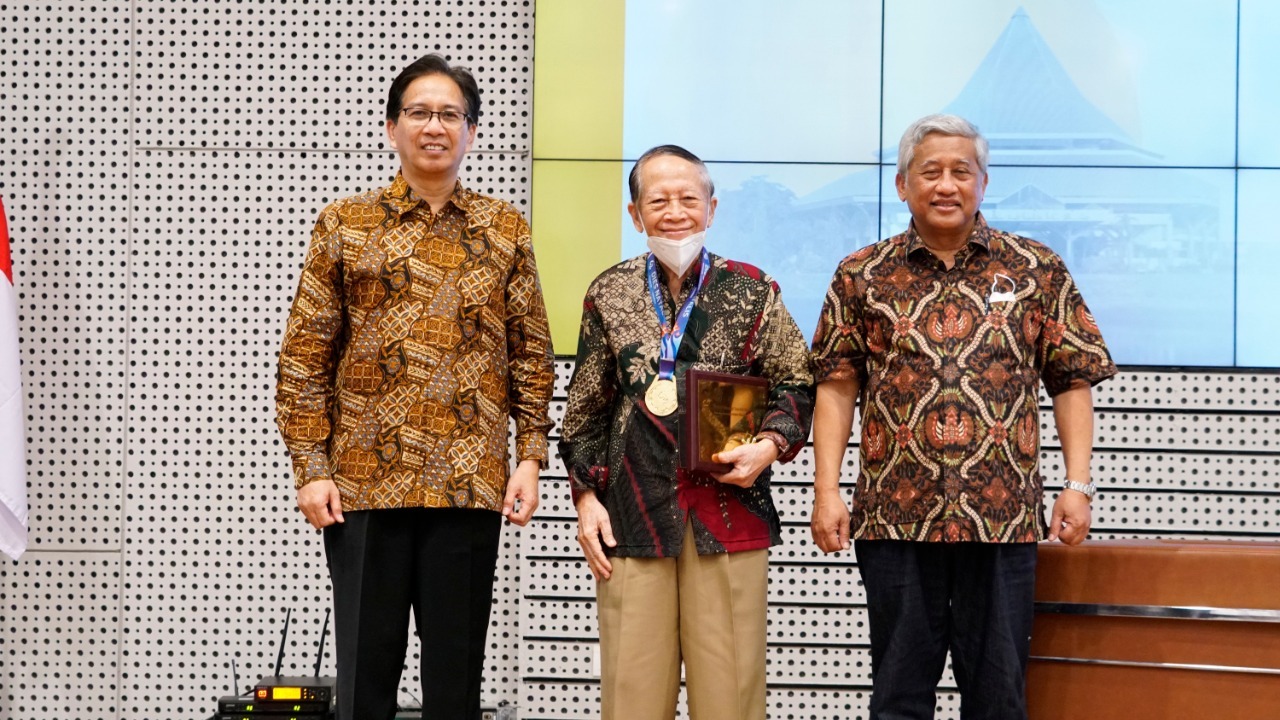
13	436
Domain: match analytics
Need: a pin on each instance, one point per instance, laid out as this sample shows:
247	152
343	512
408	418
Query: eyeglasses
451	119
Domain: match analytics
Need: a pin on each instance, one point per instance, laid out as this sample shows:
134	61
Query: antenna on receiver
323	632
283	636
293	689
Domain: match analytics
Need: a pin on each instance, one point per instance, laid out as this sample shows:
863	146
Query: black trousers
924	598
440	562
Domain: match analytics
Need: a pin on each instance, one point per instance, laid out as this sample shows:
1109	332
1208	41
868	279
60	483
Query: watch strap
774	437
1088	489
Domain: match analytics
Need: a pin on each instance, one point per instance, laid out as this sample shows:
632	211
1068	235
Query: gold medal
660	398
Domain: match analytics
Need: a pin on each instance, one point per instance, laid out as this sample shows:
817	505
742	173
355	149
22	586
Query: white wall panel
1235	391
216	249
1167	471
1180	456
314	76
162	163
65	77
59	636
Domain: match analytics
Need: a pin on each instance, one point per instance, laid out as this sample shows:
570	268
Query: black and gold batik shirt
949	363
629	456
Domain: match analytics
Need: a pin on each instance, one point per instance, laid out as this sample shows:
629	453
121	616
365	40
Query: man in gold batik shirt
418	329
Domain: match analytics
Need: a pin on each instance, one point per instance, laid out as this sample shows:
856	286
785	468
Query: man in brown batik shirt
417	331
943	335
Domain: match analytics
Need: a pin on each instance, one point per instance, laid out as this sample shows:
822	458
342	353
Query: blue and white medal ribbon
661	397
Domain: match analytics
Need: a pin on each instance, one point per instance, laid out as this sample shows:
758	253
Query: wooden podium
1156	630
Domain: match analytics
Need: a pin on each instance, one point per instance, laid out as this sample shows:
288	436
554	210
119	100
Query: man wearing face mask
680	558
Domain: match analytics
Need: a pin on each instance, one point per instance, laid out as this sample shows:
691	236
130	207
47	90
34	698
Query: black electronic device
273	716
231	704
295	689
279	687
283	697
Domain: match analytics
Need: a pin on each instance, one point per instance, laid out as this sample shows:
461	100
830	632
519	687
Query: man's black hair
434	64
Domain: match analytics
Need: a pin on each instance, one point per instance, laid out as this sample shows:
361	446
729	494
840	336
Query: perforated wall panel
162	162
1179	456
60	636
162	165
267	74
64	176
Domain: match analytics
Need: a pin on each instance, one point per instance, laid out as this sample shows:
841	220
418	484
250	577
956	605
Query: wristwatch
1089	489
774	437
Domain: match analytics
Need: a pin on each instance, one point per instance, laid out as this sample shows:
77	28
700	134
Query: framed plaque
722	412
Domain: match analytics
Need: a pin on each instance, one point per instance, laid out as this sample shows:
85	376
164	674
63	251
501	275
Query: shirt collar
980	236
691	278
400	198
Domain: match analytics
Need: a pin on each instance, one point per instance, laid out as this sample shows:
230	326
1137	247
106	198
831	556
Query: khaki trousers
707	610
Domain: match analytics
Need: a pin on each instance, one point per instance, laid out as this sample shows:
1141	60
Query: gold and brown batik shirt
413	337
949	363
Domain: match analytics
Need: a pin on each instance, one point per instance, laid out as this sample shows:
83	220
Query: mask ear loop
996	295
1013	286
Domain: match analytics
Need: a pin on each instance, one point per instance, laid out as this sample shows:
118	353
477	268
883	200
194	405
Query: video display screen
1134	137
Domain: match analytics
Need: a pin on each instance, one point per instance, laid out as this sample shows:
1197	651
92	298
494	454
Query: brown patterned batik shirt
412	339
949	364
629	456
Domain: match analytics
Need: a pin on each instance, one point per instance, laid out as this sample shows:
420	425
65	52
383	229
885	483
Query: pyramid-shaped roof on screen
1029	109
1021	89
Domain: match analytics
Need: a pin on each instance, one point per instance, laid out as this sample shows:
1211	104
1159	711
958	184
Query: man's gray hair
952	125
633	180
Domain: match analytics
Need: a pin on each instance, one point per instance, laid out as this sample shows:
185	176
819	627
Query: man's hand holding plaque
724	416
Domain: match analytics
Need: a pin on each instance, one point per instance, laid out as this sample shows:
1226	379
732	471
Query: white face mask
677	255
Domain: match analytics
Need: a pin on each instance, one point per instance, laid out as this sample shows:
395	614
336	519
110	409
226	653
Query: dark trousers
441	563
923	598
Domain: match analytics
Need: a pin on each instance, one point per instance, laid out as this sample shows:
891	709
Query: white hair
952	125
